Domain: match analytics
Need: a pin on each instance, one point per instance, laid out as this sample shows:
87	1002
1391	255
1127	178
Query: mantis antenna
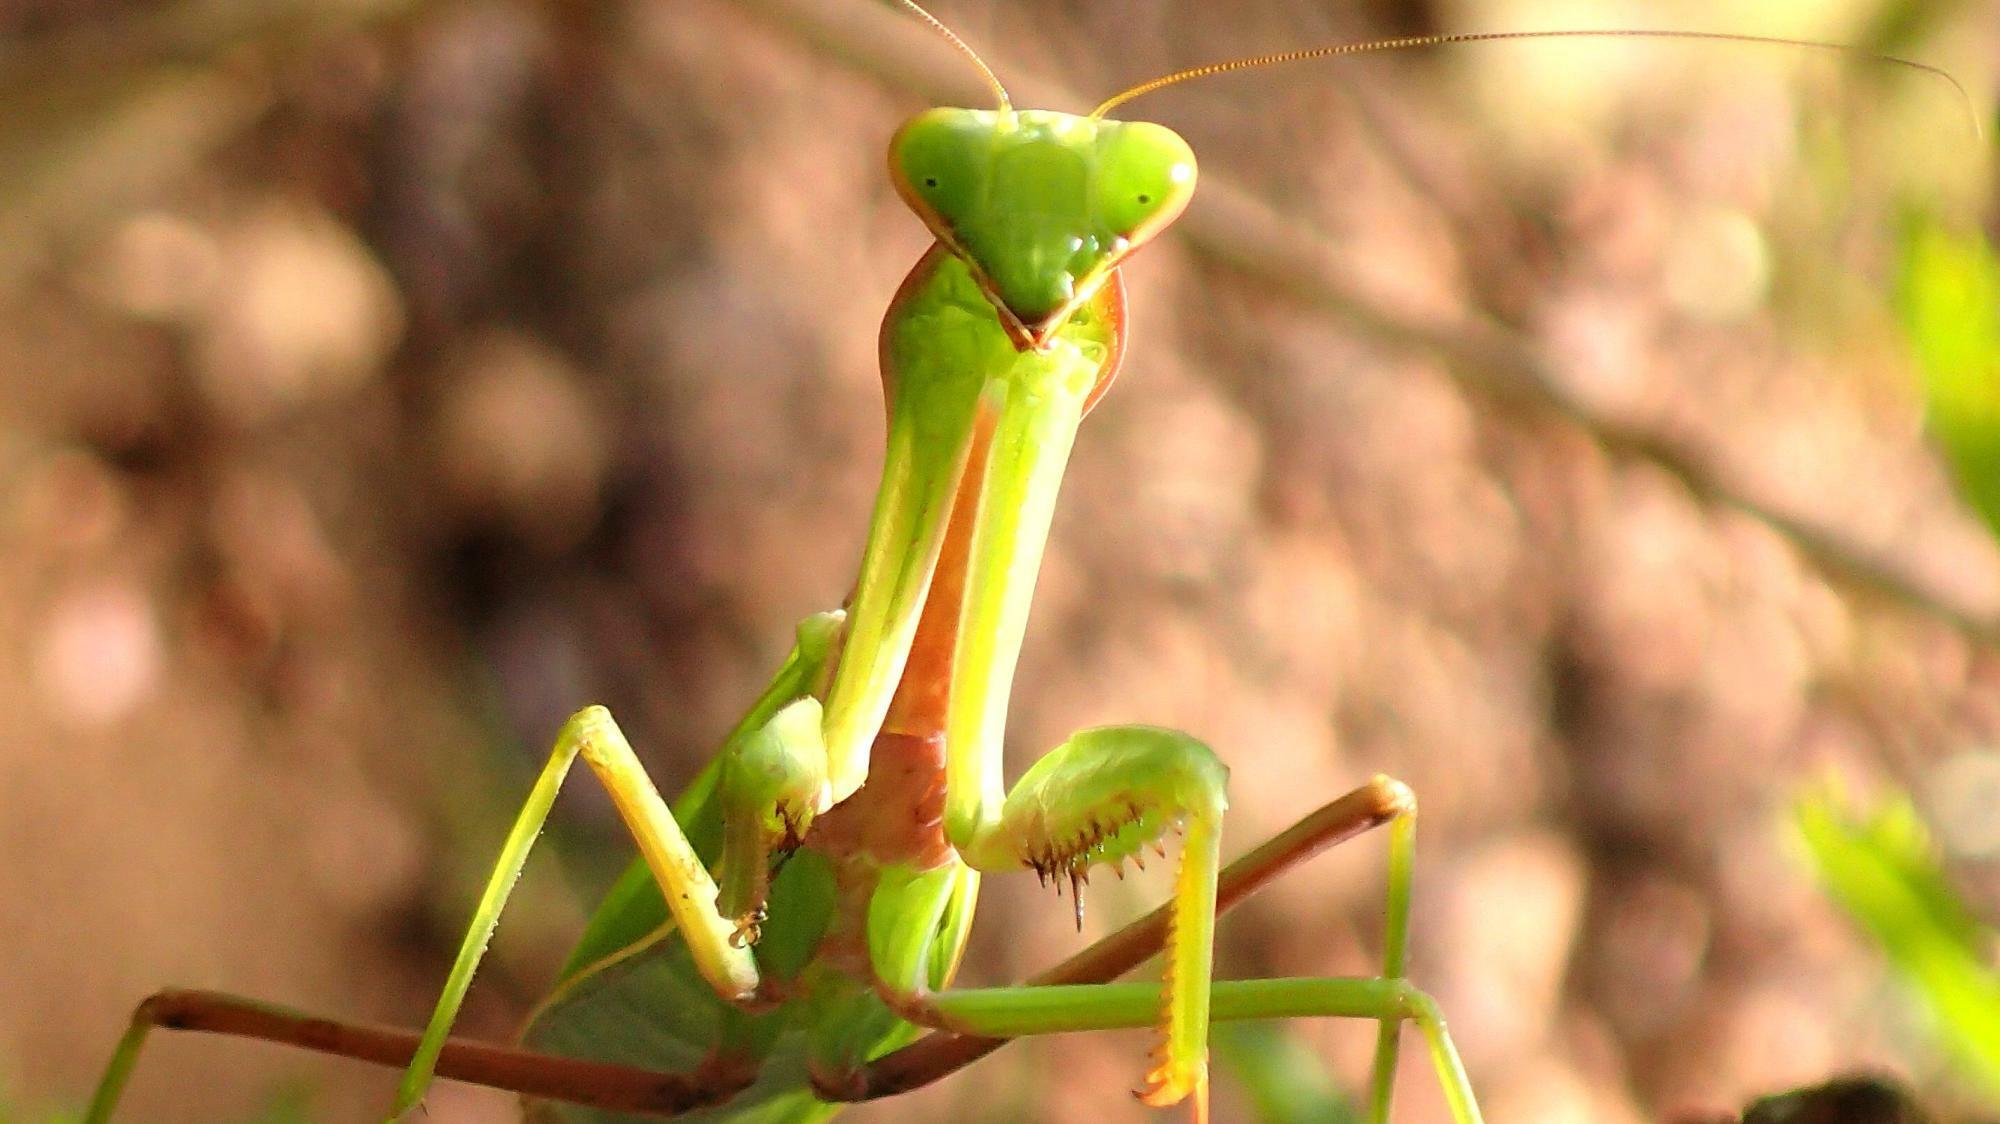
1410	41
950	36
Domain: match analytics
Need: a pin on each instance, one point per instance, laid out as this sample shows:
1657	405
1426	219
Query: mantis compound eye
936	159
1145	176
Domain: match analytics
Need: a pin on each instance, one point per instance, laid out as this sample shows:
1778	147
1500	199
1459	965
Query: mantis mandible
788	938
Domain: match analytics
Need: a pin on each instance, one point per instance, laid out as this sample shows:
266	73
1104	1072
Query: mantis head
1041	206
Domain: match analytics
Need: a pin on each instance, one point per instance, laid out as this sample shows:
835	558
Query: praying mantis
789	938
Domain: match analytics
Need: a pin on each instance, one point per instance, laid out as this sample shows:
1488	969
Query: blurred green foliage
1949	298
1286	1082
1882	867
1881	864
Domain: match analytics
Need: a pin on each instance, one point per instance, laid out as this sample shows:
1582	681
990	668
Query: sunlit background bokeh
380	380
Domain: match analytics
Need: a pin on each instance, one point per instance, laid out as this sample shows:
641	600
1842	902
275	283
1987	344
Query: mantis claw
749	928
773	786
1168	1084
1108	795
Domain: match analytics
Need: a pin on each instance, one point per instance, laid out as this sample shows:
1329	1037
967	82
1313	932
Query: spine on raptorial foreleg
1181	1061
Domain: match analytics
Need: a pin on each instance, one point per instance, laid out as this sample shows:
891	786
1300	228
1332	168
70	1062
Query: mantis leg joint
1391	798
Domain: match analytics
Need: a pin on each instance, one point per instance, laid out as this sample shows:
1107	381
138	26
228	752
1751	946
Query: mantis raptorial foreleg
1102	797
1122	769
1380	801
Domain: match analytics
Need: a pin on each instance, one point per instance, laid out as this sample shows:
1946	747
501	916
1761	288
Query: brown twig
1234	226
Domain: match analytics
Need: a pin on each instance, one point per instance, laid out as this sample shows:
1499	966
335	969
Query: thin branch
1233	225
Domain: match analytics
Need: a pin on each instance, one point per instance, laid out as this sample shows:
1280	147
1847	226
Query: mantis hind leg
772	780
603	1085
689	891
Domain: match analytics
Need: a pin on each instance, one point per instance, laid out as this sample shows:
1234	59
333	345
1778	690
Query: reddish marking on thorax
898	815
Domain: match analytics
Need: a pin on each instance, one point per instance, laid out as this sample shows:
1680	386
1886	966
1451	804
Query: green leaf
1882	868
1287	1083
1949	300
291	1103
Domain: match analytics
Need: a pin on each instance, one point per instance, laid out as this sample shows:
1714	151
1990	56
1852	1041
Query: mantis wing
631	993
644	1003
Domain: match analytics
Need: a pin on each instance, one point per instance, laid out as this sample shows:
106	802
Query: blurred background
1544	425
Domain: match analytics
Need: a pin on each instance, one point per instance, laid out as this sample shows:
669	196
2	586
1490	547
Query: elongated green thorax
952	371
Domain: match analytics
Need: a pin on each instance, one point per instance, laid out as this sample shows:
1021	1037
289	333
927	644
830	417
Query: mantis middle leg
770	779
1018	1011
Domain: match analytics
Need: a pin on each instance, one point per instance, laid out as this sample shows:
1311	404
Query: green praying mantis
787	941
